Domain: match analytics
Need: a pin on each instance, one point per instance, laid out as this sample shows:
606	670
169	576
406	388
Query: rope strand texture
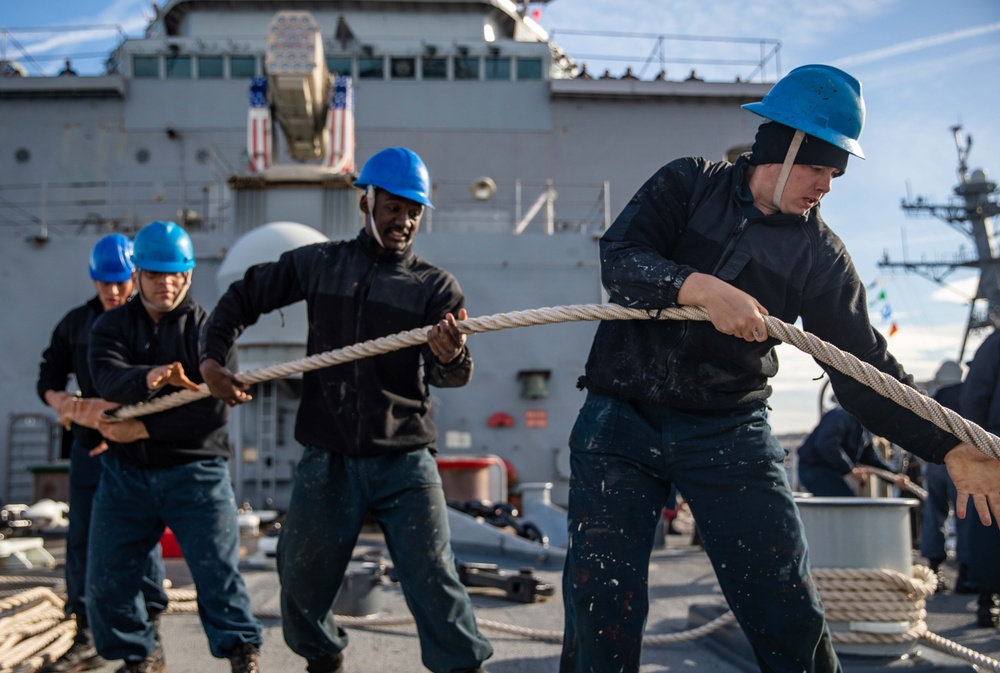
821	350
37	631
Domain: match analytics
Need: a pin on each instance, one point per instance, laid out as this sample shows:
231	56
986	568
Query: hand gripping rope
823	351
902	603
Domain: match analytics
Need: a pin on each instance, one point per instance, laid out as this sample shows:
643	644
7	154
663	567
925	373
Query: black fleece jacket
696	215
375	405
67	354
124	345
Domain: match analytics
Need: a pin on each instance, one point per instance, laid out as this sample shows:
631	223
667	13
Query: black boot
150	664
333	663
988	611
81	656
962	584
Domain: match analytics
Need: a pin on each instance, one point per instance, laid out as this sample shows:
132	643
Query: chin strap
177	302
370	198
786	167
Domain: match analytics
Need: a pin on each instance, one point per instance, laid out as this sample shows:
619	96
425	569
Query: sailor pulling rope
920	404
821	350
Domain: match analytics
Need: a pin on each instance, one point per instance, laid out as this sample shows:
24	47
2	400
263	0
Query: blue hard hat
111	259
398	171
820	100
164	247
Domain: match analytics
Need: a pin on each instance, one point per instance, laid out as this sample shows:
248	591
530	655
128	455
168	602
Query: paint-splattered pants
728	466
131	507
332	496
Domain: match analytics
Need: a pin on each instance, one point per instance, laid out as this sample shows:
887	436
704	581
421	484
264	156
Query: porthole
142	156
202	156
22	155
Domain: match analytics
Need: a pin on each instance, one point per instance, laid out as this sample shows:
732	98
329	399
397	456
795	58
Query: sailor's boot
988	611
81	656
333	663
244	659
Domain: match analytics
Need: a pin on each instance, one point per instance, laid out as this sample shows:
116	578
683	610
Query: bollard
864	533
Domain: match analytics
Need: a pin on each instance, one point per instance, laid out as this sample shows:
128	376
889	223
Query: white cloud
916	45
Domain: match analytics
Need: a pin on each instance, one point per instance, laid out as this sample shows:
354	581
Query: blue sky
925	65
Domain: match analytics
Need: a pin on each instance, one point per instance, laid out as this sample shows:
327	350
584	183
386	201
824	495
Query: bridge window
403	68
242	67
466	67
435	68
370	67
178	67
210	67
339	65
497	68
145	67
529	68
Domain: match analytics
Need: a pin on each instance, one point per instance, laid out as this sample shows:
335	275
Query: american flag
340	125
259	126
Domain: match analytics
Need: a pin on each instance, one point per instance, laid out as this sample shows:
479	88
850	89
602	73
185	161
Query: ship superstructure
529	163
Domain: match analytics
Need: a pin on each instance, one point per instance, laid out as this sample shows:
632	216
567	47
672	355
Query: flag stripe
340	127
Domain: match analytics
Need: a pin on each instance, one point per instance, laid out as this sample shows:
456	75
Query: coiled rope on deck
39	633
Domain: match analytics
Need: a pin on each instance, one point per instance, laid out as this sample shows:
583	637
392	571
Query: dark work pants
332	496
730	469
131	509
941	496
84	475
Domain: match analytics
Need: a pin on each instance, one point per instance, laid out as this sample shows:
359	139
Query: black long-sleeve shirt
67	355
125	344
694	215
374	405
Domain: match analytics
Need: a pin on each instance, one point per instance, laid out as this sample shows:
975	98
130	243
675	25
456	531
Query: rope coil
891	609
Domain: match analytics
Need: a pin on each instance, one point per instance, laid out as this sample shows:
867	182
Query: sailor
366	425
979	400
113	274
685	402
163	469
836	451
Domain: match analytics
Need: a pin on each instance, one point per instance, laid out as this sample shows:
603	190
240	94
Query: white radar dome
284	328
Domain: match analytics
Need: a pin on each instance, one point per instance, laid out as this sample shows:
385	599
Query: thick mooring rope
823	351
43	635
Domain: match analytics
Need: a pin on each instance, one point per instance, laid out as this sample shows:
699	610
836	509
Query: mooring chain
823	351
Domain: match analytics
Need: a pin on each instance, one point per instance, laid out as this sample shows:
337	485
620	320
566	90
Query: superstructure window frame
211	67
242	66
497	68
178	67
434	68
529	68
466	67
141	66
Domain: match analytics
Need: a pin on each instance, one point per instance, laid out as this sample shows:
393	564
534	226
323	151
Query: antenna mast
970	212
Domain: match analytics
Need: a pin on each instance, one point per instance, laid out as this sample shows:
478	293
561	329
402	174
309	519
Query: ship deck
683	594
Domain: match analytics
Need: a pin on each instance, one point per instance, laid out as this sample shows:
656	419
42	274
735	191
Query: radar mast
969	212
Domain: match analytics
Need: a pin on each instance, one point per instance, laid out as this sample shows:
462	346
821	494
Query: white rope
823	351
36	631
